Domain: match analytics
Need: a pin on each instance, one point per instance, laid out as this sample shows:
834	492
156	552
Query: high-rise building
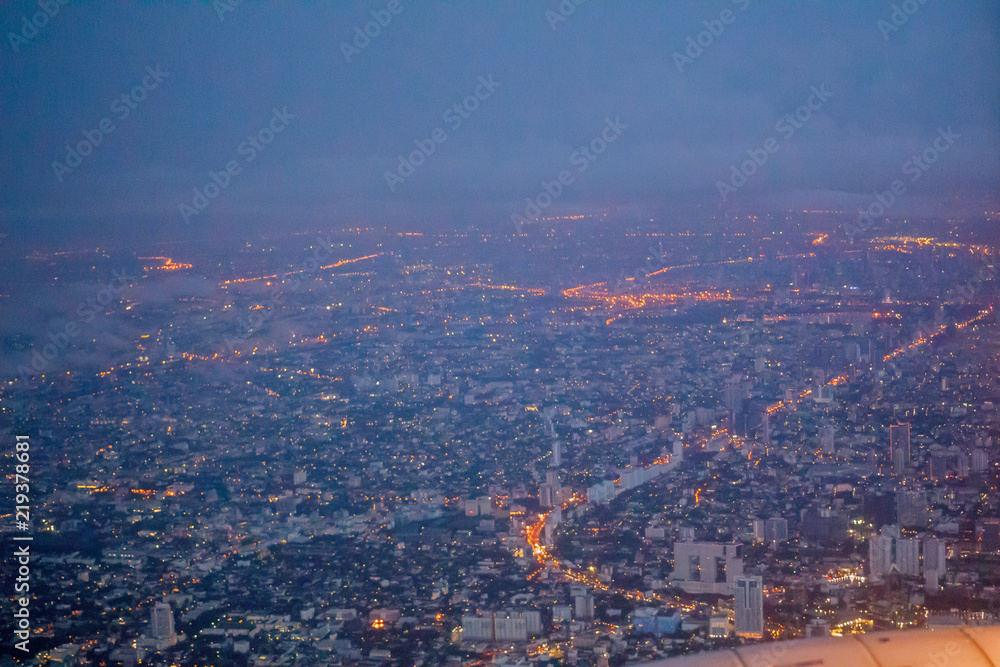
908	557
601	493
162	621
989	535
707	567
879	555
826	440
546	495
733	396
912	509
532	620
508	627
899	446
935	555
935	567
938	468
161	625
748	604
584	606
477	627
556	461
963	466
562	613
503	626
892	552
776	530
980	460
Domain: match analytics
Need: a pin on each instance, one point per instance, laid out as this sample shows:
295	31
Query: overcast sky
346	115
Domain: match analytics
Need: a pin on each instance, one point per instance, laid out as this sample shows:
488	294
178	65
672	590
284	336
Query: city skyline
553	334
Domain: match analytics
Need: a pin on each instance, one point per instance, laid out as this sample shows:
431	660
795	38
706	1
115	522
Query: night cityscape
545	333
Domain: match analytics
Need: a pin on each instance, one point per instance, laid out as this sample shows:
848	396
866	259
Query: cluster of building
415	462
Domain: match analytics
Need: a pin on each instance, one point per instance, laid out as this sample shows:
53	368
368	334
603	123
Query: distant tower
733	397
546	495
749	607
879	555
161	625
776	530
935	565
826	439
162	621
912	509
556	461
908	557
899	446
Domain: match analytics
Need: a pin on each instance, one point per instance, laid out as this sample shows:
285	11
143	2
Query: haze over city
563	332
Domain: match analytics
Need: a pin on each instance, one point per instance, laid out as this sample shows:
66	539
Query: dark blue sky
352	120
